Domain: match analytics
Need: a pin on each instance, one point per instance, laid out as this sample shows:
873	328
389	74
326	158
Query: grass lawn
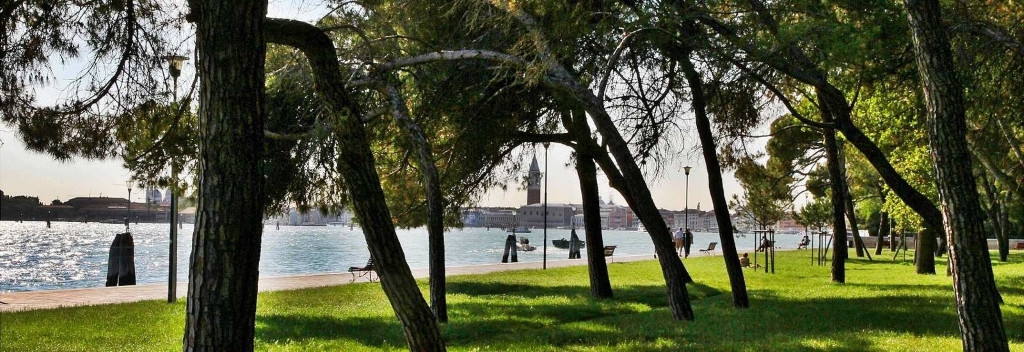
884	306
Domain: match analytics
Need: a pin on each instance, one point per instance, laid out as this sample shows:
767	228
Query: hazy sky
27	173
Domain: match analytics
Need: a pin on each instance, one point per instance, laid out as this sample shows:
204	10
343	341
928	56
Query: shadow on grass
497	315
372	332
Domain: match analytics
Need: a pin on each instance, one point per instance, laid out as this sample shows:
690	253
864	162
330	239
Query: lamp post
128	210
174	63
687	200
546	145
513	223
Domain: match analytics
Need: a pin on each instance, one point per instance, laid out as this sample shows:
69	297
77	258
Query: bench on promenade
609	251
1020	245
361	271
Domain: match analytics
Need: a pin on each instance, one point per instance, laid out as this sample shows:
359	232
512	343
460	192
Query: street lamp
546	145
128	210
513	222
687	200
174	63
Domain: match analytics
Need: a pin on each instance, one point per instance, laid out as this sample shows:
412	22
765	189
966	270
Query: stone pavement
17	301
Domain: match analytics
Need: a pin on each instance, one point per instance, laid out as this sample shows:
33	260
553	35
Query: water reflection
74	255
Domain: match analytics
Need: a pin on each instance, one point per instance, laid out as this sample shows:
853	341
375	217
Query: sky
23	172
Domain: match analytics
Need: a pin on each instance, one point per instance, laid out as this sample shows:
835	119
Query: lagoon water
74	255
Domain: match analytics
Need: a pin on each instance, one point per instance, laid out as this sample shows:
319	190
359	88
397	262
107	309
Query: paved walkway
17	301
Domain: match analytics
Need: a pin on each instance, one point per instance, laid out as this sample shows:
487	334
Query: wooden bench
361	271
1020	245
609	251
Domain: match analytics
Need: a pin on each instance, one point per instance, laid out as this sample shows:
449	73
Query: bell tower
533	183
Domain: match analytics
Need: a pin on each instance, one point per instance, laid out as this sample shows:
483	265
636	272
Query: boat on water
564	243
641	228
519	230
524	245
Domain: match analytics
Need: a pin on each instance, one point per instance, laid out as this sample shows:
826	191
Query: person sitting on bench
765	244
804	242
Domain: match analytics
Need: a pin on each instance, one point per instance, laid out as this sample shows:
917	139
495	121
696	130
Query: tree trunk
883	231
363	184
707	141
224	266
1003	236
600	286
633	187
924	261
998	217
435	202
977	300
836	183
851	210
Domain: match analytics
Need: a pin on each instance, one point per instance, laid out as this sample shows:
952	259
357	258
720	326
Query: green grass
885	306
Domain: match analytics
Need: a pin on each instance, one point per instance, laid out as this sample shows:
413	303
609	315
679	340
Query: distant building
154	196
532	216
533	183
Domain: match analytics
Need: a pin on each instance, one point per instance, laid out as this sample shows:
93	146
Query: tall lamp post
687	200
128	210
174	63
546	145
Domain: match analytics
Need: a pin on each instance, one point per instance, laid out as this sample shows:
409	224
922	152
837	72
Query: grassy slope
885	306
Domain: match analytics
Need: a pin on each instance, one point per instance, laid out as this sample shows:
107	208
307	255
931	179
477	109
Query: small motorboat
519	230
524	245
564	243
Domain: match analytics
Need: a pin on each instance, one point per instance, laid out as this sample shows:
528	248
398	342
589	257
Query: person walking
678	237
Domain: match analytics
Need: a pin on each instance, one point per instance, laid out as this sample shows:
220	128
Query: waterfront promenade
18	301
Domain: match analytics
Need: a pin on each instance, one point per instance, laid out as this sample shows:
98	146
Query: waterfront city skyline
23	172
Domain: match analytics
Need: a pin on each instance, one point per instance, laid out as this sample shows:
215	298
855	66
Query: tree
816	214
221	307
977	301
362	182
782	53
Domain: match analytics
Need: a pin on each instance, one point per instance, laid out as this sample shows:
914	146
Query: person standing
687	242
678	237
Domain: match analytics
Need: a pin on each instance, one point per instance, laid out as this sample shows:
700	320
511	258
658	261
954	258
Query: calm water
74	255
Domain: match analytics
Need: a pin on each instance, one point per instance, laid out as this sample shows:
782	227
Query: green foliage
816	214
884	307
766	193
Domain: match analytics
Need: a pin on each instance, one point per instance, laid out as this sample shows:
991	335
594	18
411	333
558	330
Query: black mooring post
504	257
114	261
511	242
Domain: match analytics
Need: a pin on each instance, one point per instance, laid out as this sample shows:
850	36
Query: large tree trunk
363	184
977	300
707	142
633	187
435	202
600	286
224	266
836	183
